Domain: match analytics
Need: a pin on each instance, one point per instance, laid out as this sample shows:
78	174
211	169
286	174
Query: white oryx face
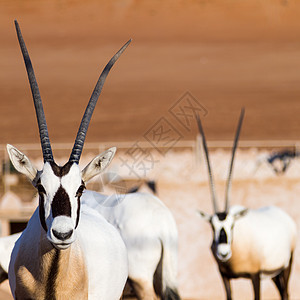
60	189
222	225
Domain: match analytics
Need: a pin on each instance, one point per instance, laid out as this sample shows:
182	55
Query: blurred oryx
250	243
150	234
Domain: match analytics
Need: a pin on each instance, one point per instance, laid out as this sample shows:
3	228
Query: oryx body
149	231
68	250
250	243
260	242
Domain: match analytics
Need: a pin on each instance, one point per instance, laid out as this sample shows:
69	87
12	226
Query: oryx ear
204	216
21	162
98	164
240	213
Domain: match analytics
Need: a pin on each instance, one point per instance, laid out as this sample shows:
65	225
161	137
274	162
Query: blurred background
209	57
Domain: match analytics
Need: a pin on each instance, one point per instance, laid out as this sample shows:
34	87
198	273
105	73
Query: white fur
146	225
267	234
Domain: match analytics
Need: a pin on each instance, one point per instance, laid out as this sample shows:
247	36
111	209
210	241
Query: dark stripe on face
222	216
51	280
41	192
78	195
78	211
61	171
42	212
61	205
223	237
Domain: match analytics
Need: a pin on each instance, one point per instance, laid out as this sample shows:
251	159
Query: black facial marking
42	212
222	216
40	189
78	212
223	237
41	192
78	195
61	171
80	190
61	205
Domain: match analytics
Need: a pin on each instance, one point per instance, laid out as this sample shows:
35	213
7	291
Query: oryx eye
41	189
80	191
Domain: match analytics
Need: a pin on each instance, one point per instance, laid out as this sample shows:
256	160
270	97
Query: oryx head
60	187
222	222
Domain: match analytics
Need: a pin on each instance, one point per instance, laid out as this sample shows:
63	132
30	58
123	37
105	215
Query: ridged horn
236	140
80	138
44	137
211	179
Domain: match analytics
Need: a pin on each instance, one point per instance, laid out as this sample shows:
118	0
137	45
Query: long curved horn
44	137
211	180
80	138
228	185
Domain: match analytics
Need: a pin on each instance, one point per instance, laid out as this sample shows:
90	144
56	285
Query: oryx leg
256	285
226	281
143	290
287	273
281	286
282	279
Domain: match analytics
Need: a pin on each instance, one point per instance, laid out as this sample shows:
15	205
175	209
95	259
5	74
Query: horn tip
127	44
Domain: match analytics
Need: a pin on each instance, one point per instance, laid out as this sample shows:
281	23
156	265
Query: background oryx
150	233
68	250
250	243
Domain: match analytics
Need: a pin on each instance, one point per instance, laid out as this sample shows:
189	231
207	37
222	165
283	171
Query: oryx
250	243
68	250
149	231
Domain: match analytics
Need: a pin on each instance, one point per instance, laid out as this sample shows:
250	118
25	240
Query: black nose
62	235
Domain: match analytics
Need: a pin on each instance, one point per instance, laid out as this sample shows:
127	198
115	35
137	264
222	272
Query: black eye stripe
42	212
41	189
80	190
78	212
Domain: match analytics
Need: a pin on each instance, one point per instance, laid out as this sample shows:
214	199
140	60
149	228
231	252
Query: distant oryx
68	250
250	243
